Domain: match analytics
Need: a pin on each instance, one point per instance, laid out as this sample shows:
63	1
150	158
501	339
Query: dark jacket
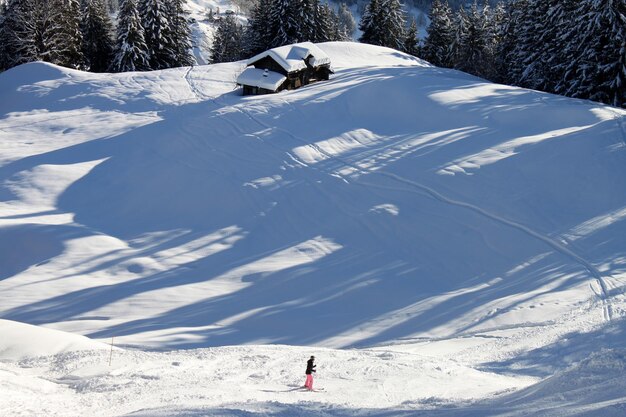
310	368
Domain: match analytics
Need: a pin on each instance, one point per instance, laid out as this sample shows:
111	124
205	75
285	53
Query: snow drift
22	341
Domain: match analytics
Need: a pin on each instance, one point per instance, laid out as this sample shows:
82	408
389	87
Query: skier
310	368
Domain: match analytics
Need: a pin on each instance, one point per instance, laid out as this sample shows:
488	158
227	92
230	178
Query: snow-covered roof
291	57
257	77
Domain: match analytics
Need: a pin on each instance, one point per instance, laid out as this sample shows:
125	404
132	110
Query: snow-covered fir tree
97	29
284	23
39	30
4	58
347	24
473	45
22	32
600	69
383	24
307	28
492	27
158	33
131	51
65	39
559	50
368	23
508	62
257	33
497	24
533	40
317	24
439	35
411	43
459	34
181	33
327	24
393	24
228	41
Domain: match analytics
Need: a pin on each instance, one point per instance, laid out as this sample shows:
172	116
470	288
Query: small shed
285	68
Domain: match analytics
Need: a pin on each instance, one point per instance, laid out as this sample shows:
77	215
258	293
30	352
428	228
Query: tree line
150	34
274	23
572	48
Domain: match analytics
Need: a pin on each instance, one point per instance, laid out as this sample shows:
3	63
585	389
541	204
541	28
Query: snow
23	340
292	57
255	77
444	246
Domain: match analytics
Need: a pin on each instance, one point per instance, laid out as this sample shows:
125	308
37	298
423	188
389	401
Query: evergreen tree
509	62
181	34
4	57
256	37
227	42
20	43
307	12
347	24
383	24
393	22
321	25
459	36
284	23
471	56
64	37
327	24
439	35
39	30
493	32
556	45
600	70
533	43
158	34
498	27
369	21
411	42
131	51
96	28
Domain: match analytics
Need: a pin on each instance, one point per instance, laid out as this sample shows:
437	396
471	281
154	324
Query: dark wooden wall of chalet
320	73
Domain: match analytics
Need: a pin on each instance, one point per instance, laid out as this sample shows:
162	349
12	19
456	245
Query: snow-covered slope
256	381
399	205
23	340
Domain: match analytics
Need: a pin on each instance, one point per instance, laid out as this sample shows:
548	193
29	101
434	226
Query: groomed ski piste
443	245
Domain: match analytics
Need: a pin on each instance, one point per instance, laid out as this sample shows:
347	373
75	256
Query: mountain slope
396	201
467	237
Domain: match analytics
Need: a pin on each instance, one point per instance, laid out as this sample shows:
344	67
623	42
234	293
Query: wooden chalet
285	68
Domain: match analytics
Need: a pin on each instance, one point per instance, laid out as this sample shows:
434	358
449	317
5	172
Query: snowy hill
443	225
